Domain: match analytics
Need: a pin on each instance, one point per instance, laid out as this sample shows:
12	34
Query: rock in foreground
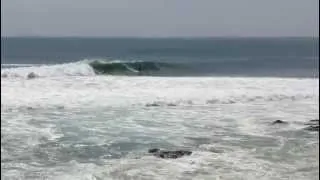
313	122
312	128
169	154
313	125
279	122
31	75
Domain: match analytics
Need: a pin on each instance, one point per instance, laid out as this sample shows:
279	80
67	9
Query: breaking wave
84	68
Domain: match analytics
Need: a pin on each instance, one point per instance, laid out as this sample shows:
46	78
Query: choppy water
72	122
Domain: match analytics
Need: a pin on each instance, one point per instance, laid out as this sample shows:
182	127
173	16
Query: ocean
91	108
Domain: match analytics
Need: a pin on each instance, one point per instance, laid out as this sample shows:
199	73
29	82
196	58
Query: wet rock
279	122
31	75
153	105
153	150
169	154
313	122
312	128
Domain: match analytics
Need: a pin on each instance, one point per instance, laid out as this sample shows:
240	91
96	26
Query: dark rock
312	128
169	154
279	122
153	105
153	150
31	75
313	122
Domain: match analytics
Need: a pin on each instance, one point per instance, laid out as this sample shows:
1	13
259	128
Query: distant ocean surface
272	57
90	108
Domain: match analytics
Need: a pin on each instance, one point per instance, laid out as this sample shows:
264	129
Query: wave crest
119	67
84	68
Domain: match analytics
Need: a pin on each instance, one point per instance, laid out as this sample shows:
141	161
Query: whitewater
70	122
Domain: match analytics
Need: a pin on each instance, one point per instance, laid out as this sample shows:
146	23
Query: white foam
239	111
80	68
112	91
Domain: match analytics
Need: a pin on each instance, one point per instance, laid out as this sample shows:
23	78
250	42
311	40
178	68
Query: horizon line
157	37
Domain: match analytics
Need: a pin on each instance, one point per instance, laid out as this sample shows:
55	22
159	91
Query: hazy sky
159	18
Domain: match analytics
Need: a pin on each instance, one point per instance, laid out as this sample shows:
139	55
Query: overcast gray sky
160	18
